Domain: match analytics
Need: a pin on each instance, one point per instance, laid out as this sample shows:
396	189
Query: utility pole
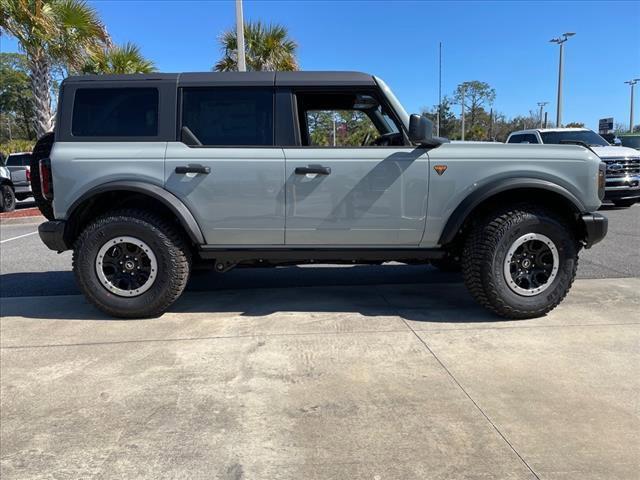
242	66
462	106
439	88
541	105
546	123
632	84
560	41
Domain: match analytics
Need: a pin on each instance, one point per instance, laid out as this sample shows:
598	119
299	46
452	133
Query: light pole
439	88
632	83
541	105
560	41
462	106
242	66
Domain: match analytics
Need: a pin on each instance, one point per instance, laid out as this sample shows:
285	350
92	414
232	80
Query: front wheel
131	263
520	262
7	199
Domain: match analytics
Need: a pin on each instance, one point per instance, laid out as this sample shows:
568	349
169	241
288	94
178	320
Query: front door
354	180
226	169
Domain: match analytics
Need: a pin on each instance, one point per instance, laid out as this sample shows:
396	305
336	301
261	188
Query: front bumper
52	235
595	227
622	194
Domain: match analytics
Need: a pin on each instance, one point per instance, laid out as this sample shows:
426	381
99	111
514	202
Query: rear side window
18	160
115	112
523	138
228	116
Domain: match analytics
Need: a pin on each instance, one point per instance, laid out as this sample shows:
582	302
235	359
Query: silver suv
623	163
147	175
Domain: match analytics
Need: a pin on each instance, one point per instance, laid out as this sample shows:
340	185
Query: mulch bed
23	212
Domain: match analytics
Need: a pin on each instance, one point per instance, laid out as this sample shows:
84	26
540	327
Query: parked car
630	140
147	175
7	194
19	164
623	164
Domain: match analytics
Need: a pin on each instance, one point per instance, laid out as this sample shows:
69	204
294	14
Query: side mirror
421	131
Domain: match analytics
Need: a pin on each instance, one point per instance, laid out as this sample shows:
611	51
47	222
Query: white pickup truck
623	163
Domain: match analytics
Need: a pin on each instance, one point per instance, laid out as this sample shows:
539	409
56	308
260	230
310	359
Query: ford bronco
148	176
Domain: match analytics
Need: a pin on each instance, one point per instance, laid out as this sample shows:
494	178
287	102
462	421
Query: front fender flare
462	211
179	209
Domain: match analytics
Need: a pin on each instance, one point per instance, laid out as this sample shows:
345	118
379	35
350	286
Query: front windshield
395	103
587	136
631	142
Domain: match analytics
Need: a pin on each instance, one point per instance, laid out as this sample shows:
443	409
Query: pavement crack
455	380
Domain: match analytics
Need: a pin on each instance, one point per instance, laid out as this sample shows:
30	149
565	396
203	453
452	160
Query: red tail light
46	182
28	174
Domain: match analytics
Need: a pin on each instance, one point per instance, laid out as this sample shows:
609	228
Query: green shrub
16	145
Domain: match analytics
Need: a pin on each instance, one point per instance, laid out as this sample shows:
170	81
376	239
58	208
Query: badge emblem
440	169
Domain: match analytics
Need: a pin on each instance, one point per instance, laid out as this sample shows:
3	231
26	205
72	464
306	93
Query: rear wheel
131	263
7	199
520	262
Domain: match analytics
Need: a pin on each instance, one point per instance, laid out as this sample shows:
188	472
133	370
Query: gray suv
147	176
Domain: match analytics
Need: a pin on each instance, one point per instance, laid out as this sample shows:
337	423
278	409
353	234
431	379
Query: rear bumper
595	226
52	235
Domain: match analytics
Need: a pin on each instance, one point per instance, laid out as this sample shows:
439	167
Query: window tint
115	112
19	160
523	138
339	128
229	116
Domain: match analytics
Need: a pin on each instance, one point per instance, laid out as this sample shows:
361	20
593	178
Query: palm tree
268	48
52	32
118	59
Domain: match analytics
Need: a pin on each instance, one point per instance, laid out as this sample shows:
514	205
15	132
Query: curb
22	220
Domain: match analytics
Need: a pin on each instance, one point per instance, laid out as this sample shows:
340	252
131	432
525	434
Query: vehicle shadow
417	293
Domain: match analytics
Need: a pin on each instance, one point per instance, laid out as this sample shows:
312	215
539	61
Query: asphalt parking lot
331	372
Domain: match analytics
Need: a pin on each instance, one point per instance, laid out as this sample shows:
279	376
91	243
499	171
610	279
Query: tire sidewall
567	253
6	193
94	239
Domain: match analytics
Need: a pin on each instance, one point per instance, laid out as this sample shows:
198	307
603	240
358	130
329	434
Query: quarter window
523	138
227	116
115	112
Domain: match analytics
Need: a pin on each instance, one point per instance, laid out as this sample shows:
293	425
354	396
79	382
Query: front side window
344	119
115	112
221	116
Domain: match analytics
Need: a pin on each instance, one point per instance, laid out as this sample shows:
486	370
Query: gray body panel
241	202
373	196
80	166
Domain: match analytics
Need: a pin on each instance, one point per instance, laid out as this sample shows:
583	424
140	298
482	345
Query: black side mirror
421	131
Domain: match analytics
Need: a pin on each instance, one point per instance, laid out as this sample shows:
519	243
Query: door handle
193	169
319	169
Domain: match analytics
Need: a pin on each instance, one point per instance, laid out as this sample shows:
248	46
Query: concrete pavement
374	382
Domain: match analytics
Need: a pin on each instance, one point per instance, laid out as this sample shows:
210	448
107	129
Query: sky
503	43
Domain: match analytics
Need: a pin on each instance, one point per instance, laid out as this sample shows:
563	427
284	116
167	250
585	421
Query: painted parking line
19	236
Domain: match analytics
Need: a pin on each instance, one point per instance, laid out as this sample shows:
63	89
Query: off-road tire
7	199
624	203
41	150
165	240
486	248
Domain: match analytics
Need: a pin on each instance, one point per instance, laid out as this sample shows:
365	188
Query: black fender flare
173	203
462	211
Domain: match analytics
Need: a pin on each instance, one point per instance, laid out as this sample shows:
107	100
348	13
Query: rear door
354	179
225	167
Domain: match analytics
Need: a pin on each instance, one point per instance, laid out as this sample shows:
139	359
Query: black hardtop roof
299	78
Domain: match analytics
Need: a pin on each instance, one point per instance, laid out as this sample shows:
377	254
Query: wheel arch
509	190
130	193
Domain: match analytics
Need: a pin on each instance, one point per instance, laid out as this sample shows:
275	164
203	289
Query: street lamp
560	41
541	105
632	84
242	66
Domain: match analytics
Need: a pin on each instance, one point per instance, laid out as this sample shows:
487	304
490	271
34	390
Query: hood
611	151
